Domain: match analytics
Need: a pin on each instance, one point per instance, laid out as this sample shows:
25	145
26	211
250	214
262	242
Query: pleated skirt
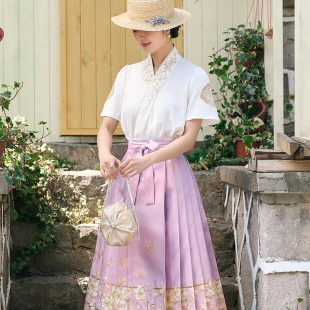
173	265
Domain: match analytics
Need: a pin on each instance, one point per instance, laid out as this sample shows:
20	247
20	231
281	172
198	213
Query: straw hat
151	15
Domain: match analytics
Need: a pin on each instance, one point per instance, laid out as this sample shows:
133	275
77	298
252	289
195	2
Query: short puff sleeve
113	105
200	103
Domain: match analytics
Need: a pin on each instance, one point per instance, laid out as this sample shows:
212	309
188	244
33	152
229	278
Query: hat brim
178	18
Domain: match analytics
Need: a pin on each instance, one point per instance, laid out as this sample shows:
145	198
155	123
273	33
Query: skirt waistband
151	144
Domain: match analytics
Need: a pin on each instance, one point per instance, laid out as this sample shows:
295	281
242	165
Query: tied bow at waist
144	147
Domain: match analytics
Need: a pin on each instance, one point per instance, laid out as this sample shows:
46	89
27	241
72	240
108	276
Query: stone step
74	250
63	292
68	292
92	184
86	155
75	247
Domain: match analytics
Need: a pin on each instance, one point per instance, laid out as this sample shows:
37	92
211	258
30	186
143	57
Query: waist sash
138	148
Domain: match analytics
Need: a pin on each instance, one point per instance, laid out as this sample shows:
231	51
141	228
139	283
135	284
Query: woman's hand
134	165
107	166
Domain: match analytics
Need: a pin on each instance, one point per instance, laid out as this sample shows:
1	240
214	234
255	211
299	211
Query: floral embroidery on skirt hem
101	294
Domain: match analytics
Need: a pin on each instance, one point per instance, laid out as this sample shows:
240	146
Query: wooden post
278	107
302	65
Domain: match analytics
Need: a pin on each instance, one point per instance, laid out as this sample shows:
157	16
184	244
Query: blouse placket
153	82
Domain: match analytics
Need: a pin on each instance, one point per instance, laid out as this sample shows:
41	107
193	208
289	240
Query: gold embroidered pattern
102	293
123	262
140	275
100	254
206	95
150	248
109	263
111	92
147	70
159	78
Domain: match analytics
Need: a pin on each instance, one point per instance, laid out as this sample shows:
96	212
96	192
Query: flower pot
240	149
261	115
2	147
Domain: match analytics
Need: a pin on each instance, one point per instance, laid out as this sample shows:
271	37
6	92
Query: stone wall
270	213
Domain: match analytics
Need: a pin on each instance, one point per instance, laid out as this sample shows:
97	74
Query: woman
161	102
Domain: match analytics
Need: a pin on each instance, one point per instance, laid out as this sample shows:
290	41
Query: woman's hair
174	32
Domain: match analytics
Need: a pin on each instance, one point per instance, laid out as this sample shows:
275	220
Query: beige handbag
118	223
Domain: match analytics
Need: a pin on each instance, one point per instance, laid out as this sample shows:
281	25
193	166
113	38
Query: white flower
120	296
107	302
140	294
21	120
93	287
175	293
92	304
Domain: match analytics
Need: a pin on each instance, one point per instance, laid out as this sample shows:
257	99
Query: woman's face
151	41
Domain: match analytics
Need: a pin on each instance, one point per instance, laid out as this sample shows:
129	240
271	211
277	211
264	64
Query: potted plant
243	88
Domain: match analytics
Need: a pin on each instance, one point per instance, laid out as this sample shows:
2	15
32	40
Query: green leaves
219	72
257	38
257	122
14	214
288	108
8	180
247	140
242	57
246	76
6	104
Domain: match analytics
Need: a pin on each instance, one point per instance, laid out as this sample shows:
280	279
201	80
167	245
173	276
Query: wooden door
92	51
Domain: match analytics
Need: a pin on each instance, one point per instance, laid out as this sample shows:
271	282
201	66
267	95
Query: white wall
29	53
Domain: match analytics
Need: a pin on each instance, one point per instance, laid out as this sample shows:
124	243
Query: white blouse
156	106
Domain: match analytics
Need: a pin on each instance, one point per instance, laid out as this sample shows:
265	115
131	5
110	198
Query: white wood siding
29	53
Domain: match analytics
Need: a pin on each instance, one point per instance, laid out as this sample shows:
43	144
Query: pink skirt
173	264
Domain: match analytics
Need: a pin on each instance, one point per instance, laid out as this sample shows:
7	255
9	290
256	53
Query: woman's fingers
111	172
128	171
103	173
107	173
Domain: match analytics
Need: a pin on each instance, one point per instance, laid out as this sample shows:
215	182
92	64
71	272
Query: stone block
66	292
266	182
4	188
90	182
231	294
288	49
284	232
74	249
253	230
223	244
246	278
289	12
240	222
212	192
278	291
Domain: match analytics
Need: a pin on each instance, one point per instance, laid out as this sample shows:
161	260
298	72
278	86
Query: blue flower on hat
155	21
